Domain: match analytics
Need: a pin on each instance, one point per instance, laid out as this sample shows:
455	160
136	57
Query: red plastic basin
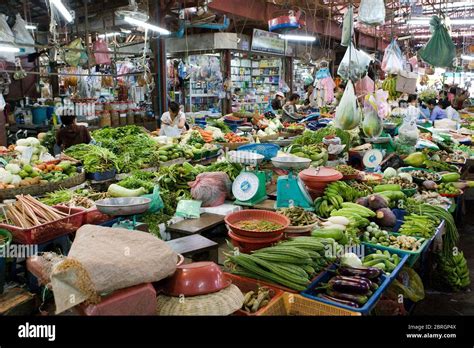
234	218
247	244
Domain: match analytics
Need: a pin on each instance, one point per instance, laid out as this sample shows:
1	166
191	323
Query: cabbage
389	173
347	115
22	142
351	260
15	179
33	141
13	168
5	177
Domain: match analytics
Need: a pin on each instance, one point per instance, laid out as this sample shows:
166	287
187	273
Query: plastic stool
135	300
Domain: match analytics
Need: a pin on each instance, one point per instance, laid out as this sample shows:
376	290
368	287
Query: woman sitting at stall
439	111
290	112
173	122
71	133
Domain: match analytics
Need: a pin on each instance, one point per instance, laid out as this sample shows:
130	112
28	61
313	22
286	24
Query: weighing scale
291	191
126	209
372	160
249	188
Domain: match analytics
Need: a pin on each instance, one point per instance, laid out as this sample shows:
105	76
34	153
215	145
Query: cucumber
335	234
450	177
387	187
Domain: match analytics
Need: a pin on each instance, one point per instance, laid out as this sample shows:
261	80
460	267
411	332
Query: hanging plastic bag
6	35
392	62
440	51
347	116
101	58
372	125
23	36
372	12
348	27
364	86
408	132
73	56
354	64
156	203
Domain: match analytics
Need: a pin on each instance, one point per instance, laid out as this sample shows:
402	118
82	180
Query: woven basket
233	146
300	229
224	302
242	114
267	138
37	190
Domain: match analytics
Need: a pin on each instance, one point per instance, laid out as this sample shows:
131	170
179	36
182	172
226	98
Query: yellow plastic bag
408	284
74	57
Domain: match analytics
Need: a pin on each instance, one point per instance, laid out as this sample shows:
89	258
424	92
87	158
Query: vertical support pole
226	61
289	72
158	48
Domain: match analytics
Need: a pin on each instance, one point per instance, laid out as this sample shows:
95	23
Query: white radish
335	226
340	220
327	223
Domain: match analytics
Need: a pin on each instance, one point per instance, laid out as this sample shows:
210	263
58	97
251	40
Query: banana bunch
317	153
454	270
390	85
335	194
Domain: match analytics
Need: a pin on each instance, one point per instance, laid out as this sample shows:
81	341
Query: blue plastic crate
102	176
266	150
404	258
326	276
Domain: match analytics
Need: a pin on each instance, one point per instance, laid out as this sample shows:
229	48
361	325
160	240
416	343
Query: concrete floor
462	303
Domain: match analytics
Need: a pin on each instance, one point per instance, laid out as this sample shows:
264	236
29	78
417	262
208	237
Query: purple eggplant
350	285
373	286
366	272
337	300
359	299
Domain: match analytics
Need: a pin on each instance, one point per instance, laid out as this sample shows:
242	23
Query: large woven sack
104	259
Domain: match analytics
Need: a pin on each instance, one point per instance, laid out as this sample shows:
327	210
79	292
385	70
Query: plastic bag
392	62
364	86
101	58
73	57
348	27
372	125
6	35
440	51
22	35
408	284
408	132
347	116
372	12
354	64
188	209
156	203
211	189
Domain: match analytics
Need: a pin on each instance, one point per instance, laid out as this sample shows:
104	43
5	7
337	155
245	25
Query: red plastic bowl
232	219
247	245
452	195
197	278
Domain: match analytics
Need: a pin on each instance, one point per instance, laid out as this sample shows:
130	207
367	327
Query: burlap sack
104	259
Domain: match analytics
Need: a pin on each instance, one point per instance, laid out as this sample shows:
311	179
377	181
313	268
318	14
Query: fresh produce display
383	260
374	235
316	137
416	159
440	166
299	216
403	182
346	170
317	153
432	198
448	189
418	226
454	271
95	159
255	300
290	264
176	176
423	175
29	212
390	85
258	225
140	179
334	195
80	198
234	138
170	152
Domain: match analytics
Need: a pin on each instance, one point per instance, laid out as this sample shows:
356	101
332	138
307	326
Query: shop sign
267	42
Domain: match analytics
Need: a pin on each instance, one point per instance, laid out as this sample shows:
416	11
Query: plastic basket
266	150
297	305
247	284
365	309
91	216
46	232
102	176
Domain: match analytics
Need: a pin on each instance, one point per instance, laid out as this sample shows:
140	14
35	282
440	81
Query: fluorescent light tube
31	27
298	38
465	57
146	25
61	8
108	35
9	49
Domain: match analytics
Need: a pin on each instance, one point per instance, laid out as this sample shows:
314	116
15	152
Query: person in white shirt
452	113
173	121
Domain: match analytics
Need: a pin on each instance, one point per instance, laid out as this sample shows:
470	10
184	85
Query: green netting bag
440	51
156	203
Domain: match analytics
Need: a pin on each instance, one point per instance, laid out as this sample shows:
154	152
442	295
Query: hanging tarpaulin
347	27
440	51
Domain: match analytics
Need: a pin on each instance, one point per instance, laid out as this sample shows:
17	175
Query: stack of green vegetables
419	226
291	264
95	159
316	137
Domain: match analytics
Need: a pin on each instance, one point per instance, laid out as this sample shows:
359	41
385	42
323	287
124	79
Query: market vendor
310	101
439	111
290	112
277	102
71	133
173	122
